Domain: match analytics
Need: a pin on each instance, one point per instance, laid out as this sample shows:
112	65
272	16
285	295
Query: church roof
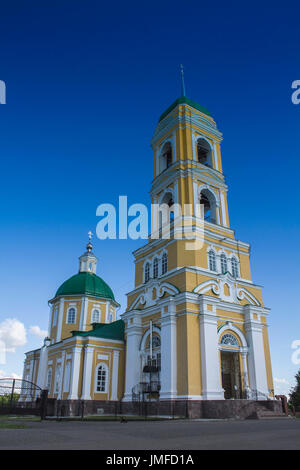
85	283
113	330
184	100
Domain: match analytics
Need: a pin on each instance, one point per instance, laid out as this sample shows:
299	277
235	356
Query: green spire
182	81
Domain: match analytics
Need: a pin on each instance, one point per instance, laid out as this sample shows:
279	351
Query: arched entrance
231	374
233	365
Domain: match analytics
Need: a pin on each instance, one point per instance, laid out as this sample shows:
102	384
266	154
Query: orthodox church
195	327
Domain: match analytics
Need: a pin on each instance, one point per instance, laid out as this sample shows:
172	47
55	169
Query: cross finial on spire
89	246
182	81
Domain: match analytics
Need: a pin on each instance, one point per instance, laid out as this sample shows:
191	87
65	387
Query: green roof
86	283
184	100
113	330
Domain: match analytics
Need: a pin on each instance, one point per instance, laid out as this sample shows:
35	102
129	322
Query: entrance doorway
231	374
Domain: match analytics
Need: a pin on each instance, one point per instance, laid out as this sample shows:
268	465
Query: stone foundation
205	409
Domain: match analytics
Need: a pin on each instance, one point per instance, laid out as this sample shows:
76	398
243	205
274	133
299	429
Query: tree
295	392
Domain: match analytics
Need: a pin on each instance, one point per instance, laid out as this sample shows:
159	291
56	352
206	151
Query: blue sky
86	83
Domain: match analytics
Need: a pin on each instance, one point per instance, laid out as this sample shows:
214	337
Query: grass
16	422
9	425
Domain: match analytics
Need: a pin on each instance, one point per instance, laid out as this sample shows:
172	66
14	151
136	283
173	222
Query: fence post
44	397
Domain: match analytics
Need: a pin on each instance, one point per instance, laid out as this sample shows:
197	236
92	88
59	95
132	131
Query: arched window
155	341
55	316
102	379
208	206
223	264
166	156
155	268
71	315
147	272
164	263
212	260
229	340
234	267
204	152
96	316
49	379
166	211
57	378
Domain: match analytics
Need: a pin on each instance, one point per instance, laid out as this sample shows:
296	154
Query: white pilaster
87	373
50	320
256	357
195	200
43	365
134	336
115	375
60	320
83	314
223	210
75	368
169	353
215	156
210	364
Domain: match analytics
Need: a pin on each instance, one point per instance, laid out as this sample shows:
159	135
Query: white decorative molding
146	297
235	294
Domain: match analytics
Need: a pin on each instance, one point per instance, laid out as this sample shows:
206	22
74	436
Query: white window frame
147	275
223	257
75	315
58	371
55	314
211	250
105	367
164	264
67	376
155	268
234	260
99	315
49	375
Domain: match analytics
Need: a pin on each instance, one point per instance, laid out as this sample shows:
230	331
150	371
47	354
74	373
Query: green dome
184	100
85	283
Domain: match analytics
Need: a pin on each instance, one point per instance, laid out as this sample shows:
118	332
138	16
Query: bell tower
194	284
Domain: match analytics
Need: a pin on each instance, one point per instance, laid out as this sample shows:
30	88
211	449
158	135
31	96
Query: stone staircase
264	410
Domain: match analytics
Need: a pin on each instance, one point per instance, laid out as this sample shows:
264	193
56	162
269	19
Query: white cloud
281	381
5	375
282	386
36	330
12	334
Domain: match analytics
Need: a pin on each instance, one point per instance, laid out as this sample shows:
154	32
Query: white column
60	320
256	357
210	364
83	314
168	354
134	336
115	375
50	320
245	373
215	156
196	201
87	373
75	369
43	364
223	210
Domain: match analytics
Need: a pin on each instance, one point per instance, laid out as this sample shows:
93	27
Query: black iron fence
22	397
